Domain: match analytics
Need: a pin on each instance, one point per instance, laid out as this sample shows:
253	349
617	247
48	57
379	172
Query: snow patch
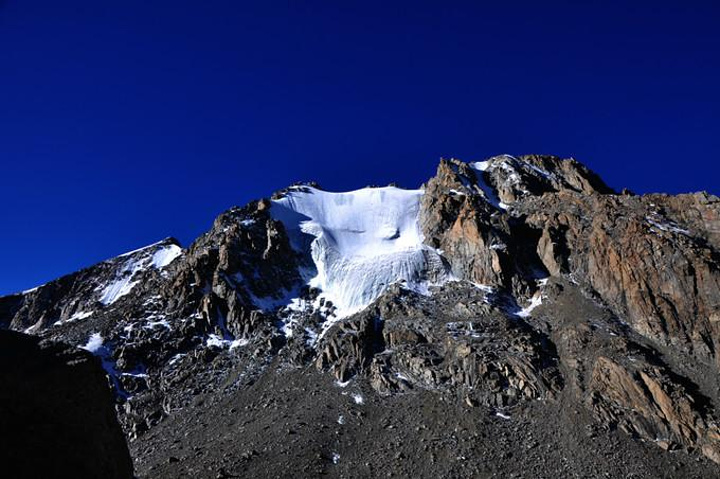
123	282
219	342
125	278
165	256
94	343
483	287
534	303
360	242
154	324
667	226
78	315
358	399
490	195
176	358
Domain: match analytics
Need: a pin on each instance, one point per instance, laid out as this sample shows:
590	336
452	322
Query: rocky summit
514	317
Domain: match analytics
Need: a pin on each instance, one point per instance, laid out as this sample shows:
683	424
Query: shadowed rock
56	413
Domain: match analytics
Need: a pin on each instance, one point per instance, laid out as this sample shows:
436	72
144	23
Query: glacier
360	242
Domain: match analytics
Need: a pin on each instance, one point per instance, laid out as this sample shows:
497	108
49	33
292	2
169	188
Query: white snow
33	327
119	288
94	343
341	420
501	415
218	341
360	241
125	280
144	248
488	192
166	255
237	343
176	358
667	226
154	324
358	399
483	287
78	315
335	458
534	303
481	165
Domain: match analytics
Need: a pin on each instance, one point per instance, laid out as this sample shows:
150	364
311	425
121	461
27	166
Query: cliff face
500	284
654	259
56	413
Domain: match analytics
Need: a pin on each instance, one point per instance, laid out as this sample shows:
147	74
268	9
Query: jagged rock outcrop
464	341
75	296
56	413
243	263
526	176
640	255
645	401
457	219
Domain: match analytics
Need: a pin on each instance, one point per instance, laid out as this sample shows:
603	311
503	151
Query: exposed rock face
646	402
56	413
555	290
655	266
535	175
457	219
77	295
462	341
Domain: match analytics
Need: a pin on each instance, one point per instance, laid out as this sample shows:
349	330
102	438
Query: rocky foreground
551	327
56	413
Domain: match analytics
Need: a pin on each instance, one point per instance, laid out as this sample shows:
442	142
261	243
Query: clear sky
123	122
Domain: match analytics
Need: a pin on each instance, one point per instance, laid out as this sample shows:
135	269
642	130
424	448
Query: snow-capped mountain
514	311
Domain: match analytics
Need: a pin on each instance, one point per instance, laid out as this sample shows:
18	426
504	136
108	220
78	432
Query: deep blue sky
122	122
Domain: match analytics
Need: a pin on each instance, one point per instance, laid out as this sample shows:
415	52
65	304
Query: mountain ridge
496	285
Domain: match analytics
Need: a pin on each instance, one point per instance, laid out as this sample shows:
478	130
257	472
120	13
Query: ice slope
138	260
360	241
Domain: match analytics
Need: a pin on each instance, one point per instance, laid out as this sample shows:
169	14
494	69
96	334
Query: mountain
514	316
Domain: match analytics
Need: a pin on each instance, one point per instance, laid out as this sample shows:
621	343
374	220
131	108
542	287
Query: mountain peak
517	288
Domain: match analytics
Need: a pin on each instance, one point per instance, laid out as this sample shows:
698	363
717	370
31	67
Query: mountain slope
512	287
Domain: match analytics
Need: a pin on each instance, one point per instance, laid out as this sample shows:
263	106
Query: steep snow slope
157	255
360	241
